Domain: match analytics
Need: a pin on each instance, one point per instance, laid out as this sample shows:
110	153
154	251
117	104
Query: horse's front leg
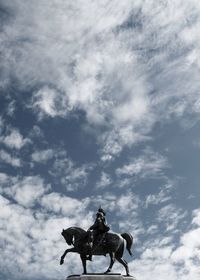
73	250
83	259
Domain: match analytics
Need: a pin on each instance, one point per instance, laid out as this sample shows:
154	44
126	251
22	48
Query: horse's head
67	236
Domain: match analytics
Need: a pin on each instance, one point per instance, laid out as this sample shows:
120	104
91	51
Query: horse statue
112	244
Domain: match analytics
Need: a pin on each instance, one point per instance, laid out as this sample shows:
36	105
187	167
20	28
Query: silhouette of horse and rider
97	241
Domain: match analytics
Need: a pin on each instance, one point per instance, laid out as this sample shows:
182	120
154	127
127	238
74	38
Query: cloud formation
8	159
147	165
25	191
122	64
13	139
128	73
165	260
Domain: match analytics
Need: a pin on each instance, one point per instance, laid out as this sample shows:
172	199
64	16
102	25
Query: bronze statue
103	243
96	232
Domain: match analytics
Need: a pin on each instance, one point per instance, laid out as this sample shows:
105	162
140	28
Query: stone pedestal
95	276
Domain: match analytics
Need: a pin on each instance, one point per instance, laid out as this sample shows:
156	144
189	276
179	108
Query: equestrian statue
97	240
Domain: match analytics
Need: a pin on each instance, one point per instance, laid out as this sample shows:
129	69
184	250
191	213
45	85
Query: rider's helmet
100	210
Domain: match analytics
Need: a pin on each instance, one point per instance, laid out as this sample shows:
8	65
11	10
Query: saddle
96	239
100	239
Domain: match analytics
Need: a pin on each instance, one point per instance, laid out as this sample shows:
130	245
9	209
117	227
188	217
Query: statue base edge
100	276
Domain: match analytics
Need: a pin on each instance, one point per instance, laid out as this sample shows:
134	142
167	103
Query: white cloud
113	141
36	132
66	206
45	101
196	218
11	108
165	194
25	191
14	139
170	261
31	243
75	178
188	253
1	124
70	175
107	62
170	216
42	156
48	100
128	212
127	203
147	165
157	198
105	180
8	159
3	178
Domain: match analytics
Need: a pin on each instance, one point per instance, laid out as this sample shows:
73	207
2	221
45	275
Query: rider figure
99	228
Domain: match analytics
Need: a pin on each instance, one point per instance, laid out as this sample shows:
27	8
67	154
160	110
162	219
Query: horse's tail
129	241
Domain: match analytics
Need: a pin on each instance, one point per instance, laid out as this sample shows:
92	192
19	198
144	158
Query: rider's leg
90	245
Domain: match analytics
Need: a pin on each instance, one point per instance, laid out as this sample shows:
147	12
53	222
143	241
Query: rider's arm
94	226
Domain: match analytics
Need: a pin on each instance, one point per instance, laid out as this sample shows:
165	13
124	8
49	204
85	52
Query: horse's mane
80	230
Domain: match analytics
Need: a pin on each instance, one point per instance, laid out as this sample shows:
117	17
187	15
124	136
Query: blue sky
100	105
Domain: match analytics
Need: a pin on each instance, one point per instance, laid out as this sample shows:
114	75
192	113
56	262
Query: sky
100	105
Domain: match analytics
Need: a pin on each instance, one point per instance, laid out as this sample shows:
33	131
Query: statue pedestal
95	276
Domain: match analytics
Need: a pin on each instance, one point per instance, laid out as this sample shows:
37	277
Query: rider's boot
89	256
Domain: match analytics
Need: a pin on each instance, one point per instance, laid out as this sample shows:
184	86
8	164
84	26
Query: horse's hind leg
124	263
112	260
